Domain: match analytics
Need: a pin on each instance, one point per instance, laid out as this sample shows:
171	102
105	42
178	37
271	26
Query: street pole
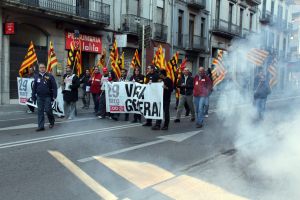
143	49
172	27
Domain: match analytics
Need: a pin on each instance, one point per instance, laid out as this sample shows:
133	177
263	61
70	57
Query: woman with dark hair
138	78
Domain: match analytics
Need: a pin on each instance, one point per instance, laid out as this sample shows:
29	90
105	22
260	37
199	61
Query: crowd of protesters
194	93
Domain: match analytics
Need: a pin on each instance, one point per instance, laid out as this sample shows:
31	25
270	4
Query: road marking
186	187
141	174
101	191
174	137
63	136
16	119
18	127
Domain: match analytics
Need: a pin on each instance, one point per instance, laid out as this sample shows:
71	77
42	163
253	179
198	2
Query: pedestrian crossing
145	180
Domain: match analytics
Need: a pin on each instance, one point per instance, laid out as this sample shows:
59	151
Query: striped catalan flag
159	58
257	56
102	62
178	74
272	69
121	62
71	56
114	58
78	62
219	71
171	66
52	60
29	60
135	62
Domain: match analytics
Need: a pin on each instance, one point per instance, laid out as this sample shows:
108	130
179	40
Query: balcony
194	43
266	17
58	9
131	24
225	29
160	32
197	4
253	2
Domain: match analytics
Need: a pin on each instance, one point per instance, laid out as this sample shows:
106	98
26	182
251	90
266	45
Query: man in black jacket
186	85
44	91
151	77
168	88
85	80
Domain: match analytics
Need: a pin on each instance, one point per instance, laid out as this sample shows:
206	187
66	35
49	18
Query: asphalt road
89	158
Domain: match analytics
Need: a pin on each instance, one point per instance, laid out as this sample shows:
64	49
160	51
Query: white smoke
269	150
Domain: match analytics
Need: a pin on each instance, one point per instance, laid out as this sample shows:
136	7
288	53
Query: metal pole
143	49
172	31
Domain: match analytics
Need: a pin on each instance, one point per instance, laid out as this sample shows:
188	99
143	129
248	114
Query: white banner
25	91
131	97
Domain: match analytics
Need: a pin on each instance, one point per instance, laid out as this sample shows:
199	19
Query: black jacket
167	92
85	80
262	90
137	79
72	96
44	86
152	78
186	89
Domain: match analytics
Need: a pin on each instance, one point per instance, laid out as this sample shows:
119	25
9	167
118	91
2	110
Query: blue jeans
199	103
260	105
44	105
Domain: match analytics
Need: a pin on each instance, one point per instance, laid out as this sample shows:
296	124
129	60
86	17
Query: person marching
151	77
44	91
30	74
186	86
85	80
137	77
202	88
168	88
95	82
107	77
261	92
71	84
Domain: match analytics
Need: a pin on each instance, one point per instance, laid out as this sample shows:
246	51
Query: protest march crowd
117	90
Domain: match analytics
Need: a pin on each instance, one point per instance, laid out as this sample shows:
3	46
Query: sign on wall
9	28
89	43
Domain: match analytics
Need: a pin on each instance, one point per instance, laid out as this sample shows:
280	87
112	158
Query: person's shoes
147	124
206	116
70	118
187	114
165	128
87	108
100	117
156	127
115	118
192	119
177	120
134	121
199	126
51	125
39	129
29	111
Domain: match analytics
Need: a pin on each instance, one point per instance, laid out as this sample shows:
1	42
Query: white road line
18	127
16	119
63	136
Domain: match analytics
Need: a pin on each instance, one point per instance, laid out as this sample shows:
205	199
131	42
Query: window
218	9
230	16
180	22
241	18
272	7
251	21
202	33
191	29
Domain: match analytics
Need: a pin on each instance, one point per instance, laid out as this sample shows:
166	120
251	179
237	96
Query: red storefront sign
89	43
9	28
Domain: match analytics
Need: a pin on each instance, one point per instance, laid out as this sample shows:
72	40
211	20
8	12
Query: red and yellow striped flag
135	62
159	58
172	66
71	56
257	56
29	59
78	63
272	69
121	62
52	60
178	74
219	71
114	57
102	62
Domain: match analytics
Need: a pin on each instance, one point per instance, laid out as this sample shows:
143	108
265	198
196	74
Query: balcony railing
223	27
198	4
253	2
160	32
266	17
132	23
195	42
101	14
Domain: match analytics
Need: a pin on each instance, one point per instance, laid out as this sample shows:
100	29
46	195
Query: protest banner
25	90
131	97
